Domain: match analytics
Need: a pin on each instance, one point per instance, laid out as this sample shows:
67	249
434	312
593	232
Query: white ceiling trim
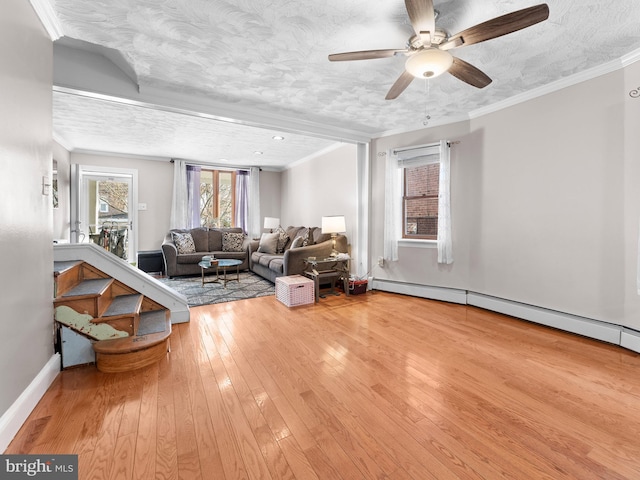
552	87
48	18
324	151
584	76
630	58
82	151
62	142
87	73
433	122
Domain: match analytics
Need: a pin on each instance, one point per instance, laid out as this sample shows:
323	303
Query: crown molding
62	142
589	74
48	18
317	154
630	58
432	124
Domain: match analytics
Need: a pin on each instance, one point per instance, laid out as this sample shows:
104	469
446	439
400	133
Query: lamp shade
333	224
271	222
429	63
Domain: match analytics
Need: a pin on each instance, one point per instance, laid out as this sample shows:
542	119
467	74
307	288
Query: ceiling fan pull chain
427	117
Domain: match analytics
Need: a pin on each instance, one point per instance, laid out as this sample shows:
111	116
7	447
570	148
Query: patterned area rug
249	286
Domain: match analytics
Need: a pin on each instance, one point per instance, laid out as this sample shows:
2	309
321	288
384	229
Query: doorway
104	209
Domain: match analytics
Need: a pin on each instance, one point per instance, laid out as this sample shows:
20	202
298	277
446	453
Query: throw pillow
232	242
269	243
297	242
304	233
283	238
184	242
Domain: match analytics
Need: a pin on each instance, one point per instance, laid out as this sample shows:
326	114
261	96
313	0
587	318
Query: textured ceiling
270	57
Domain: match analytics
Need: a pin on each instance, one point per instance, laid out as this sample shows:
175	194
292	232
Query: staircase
127	330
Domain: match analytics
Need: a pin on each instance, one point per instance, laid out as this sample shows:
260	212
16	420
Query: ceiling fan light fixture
429	63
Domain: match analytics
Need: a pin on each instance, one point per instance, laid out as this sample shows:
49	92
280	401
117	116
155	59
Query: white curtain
445	244
185	203
253	223
193	196
242	200
179	201
392	207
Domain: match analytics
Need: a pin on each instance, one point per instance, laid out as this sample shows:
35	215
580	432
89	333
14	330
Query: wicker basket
294	290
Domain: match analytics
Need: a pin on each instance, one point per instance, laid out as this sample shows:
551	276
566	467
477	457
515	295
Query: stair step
62	266
152	322
124	305
130	353
92	287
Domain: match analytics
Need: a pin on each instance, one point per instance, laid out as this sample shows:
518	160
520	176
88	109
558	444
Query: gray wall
323	185
544	201
26	216
61	215
155	187
270	189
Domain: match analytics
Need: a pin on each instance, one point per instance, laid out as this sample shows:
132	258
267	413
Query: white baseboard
423	291
630	340
606	332
17	413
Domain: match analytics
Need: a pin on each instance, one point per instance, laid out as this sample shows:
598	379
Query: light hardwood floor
368	387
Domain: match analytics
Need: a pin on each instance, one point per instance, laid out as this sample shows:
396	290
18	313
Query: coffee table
224	265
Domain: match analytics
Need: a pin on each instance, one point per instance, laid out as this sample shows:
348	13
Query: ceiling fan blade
364	55
499	26
468	73
401	83
422	18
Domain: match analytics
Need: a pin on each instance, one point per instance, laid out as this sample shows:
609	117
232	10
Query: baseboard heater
596	329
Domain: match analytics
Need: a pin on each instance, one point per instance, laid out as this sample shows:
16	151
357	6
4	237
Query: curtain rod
173	160
419	147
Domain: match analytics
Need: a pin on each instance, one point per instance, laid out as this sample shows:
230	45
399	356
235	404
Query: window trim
424	156
215	179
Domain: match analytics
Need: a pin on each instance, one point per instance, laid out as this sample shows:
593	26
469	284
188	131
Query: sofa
294	245
183	249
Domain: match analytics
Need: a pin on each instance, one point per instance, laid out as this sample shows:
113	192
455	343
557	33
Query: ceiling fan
428	50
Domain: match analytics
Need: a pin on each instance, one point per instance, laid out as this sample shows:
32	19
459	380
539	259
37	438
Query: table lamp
270	223
333	224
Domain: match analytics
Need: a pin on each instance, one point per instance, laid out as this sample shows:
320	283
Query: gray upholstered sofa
291	260
206	241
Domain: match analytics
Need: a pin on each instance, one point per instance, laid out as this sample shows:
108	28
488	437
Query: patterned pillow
184	242
304	233
232	242
283	238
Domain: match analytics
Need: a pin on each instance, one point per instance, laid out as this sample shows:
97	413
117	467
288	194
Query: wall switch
381	261
142	206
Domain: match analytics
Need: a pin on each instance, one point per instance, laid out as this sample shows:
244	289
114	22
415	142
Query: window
217	198
420	201
420	177
417	199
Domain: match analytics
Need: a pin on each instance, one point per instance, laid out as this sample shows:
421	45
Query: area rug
249	286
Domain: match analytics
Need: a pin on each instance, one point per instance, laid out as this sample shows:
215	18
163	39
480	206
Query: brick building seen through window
420	201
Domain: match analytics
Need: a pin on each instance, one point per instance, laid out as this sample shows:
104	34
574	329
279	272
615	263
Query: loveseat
183	249
294	245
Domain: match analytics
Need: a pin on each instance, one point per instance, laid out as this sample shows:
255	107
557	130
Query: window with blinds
421	179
